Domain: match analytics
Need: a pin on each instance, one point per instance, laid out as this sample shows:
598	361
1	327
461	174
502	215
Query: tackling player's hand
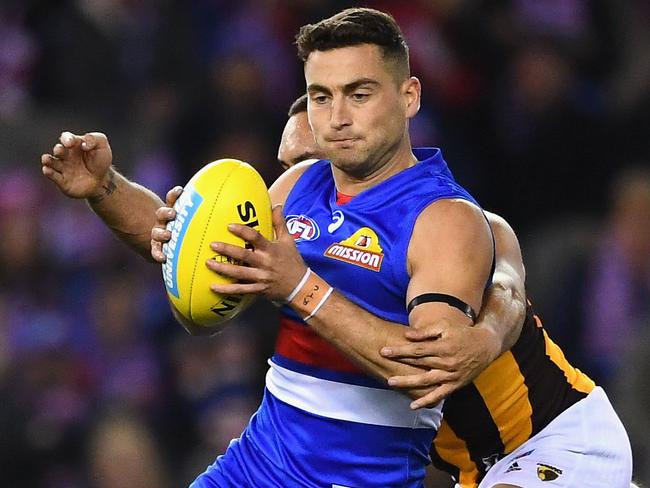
159	232
454	355
79	165
271	268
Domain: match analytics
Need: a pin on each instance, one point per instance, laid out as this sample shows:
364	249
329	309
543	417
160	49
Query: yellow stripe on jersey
513	399
576	378
453	450
504	391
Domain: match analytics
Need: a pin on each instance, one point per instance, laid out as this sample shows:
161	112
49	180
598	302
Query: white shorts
584	446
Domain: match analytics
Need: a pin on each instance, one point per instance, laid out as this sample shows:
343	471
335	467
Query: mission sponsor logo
361	249
302	228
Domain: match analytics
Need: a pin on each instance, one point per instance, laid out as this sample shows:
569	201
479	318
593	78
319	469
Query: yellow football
222	192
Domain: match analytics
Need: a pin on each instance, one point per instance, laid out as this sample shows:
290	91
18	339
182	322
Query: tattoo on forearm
109	188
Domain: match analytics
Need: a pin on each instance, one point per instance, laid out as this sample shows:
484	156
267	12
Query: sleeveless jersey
518	395
334	425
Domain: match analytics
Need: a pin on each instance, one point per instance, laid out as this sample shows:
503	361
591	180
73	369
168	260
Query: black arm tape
442	297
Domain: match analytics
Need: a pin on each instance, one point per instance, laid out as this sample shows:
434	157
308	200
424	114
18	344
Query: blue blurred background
542	108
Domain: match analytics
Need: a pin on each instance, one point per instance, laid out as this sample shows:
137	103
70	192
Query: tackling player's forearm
128	209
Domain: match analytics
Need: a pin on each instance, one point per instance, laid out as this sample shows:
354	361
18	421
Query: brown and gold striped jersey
520	393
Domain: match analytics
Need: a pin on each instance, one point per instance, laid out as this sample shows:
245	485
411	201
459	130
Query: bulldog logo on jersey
302	228
361	249
548	473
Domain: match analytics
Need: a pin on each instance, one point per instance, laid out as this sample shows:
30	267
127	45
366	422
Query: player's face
297	143
357	110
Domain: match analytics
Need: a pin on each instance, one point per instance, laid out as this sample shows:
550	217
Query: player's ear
411	92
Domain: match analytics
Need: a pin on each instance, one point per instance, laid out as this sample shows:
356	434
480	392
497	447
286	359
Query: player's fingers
161	235
248	234
225	266
433	397
238	288
423	334
172	195
51	162
418	380
414	350
424	362
94	140
53	175
70	140
237	253
165	214
60	151
279	223
156	252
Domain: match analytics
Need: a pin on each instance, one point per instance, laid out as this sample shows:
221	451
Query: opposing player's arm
81	167
129	210
454	356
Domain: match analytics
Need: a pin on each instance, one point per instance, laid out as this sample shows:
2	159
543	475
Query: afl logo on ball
302	228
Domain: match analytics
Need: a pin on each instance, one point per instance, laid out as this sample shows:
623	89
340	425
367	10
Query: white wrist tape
302	282
320	304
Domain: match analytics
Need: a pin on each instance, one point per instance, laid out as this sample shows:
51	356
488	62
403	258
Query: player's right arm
81	167
455	356
457	262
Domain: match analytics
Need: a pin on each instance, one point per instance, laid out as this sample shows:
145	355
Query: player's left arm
455	356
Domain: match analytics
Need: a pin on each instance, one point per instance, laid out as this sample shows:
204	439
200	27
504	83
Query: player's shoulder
281	188
450	219
497	222
456	211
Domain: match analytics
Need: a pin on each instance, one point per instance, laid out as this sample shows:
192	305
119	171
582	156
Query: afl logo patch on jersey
302	228
361	249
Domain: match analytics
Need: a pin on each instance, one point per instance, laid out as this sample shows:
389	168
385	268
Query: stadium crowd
542	108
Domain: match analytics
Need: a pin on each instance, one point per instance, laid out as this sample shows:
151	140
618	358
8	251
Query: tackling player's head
297	142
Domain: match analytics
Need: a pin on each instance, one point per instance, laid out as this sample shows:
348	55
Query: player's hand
159	232
79	165
455	355
271	268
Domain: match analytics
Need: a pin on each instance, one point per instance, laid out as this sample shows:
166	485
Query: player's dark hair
298	106
355	26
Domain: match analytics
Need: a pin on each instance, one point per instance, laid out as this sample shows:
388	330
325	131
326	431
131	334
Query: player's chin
347	162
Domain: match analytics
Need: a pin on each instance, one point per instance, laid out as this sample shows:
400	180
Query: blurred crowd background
542	108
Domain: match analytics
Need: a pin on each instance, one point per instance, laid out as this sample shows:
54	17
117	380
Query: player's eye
360	97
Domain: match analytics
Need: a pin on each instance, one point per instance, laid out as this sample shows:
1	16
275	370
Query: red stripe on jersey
299	343
342	198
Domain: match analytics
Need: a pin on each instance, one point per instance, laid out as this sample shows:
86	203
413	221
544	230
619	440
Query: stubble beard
356	164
